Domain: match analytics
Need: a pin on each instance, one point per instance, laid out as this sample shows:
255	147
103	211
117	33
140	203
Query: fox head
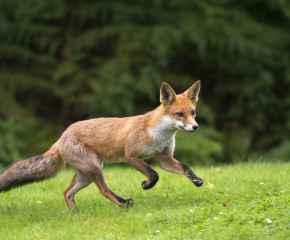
181	109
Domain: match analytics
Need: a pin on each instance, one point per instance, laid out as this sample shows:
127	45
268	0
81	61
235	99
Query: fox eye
179	114
193	112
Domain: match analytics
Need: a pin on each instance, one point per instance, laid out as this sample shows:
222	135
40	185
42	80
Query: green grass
173	209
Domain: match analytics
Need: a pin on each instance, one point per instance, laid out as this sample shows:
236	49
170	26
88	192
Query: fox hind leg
89	169
79	182
90	165
98	178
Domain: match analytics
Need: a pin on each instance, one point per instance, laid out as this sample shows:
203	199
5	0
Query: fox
86	145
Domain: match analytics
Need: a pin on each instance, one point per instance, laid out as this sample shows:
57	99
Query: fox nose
195	127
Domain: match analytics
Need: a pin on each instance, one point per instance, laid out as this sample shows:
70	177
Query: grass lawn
238	206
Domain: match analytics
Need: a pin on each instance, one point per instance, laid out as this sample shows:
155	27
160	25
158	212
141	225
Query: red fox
85	145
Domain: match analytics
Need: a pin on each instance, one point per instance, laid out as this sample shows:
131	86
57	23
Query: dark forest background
63	61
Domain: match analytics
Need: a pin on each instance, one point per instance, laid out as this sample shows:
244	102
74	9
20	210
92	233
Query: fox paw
127	203
197	182
150	183
144	185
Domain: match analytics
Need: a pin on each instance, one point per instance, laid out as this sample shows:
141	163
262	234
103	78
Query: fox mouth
186	130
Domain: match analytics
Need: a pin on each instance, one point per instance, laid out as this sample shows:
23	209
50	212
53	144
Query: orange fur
85	145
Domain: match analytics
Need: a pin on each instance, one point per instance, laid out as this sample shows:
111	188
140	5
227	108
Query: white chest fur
163	136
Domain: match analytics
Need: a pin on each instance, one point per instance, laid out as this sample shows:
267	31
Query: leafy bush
22	139
203	147
64	61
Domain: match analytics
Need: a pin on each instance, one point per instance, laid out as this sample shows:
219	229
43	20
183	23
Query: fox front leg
143	167
170	164
190	175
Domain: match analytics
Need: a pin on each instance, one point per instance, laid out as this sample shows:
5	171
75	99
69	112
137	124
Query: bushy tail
31	170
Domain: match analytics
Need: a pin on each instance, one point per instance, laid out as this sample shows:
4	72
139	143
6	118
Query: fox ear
167	95
193	91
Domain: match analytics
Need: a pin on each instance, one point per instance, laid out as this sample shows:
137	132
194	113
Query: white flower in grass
210	185
190	210
221	212
215	218
157	231
268	220
261	183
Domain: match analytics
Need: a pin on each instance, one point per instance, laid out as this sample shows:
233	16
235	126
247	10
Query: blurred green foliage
63	61
19	139
201	148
